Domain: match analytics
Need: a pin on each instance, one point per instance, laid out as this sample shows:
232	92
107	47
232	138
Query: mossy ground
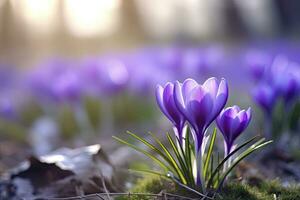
264	191
234	191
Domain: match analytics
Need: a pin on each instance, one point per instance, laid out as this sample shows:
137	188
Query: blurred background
31	30
75	70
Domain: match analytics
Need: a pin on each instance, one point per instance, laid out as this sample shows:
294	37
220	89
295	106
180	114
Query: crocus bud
232	121
165	100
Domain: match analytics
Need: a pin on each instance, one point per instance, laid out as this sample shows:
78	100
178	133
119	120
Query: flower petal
212	86
187	86
199	106
220	100
159	99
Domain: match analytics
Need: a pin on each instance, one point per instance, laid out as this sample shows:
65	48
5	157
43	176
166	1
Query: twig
104	186
115	194
188	188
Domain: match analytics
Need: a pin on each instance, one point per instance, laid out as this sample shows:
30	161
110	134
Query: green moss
238	191
282	193
234	191
264	191
152	184
149	184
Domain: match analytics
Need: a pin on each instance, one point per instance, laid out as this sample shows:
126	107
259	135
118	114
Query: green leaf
167	158
209	152
164	166
189	151
177	154
218	174
171	159
242	156
226	158
185	163
148	144
146	171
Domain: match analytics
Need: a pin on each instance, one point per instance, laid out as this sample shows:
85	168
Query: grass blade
209	152
226	158
241	157
172	161
167	158
178	156
148	144
189	150
146	171
163	165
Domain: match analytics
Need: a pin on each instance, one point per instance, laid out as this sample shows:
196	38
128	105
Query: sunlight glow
38	15
87	18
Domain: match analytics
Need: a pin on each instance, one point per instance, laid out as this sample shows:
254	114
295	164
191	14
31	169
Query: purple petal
187	86
169	104
159	99
212	86
221	99
179	101
199	105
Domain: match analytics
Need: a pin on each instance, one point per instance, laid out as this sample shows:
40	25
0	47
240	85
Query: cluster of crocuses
67	80
278	82
192	107
200	105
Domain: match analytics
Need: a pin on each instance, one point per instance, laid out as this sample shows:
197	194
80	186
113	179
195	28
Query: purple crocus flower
145	63
265	96
201	60
258	63
105	75
285	78
291	90
200	104
40	80
67	86
166	102
232	121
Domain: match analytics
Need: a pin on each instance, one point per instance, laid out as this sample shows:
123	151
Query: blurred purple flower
285	78
170	58
258	63
41	79
265	96
200	104
7	107
291	89
146	71
67	86
232	121
166	102
105	75
8	84
199	61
